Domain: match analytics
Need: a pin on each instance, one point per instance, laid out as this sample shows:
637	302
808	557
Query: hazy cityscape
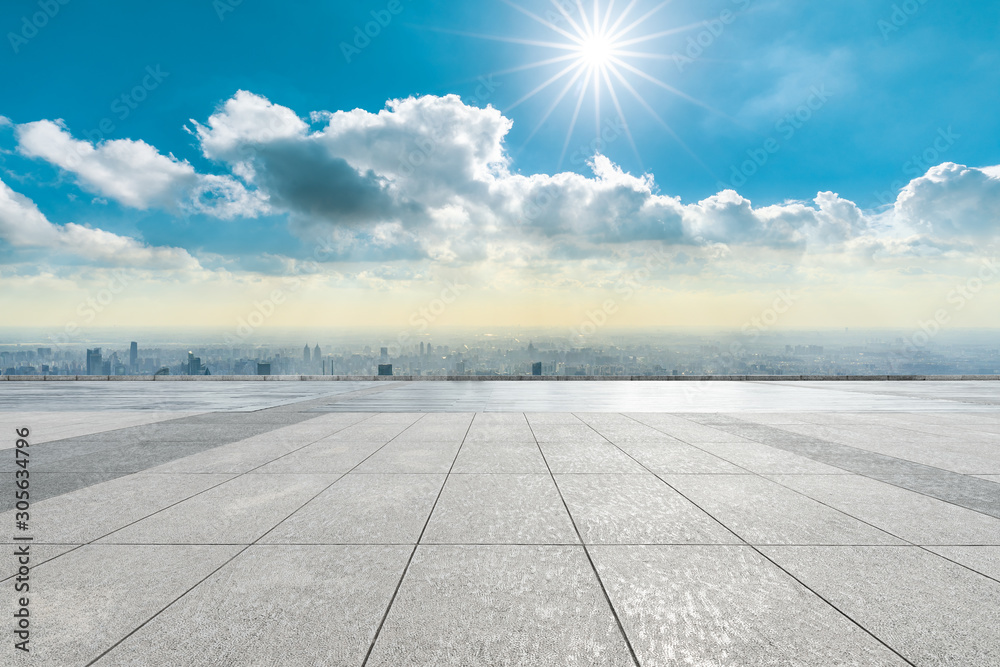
508	353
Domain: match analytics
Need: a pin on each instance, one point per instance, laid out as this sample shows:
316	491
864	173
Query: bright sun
596	51
599	54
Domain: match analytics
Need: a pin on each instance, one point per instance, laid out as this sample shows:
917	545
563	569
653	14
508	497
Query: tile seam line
890	482
796	491
231	478
236	555
850	472
413	552
586	550
909	543
756	549
834	465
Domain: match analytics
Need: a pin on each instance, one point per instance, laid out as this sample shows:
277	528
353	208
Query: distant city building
133	357
536	368
385	369
317	353
95	364
384	353
305	354
194	366
263	368
421	349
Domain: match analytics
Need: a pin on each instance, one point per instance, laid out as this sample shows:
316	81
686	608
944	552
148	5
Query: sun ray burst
599	56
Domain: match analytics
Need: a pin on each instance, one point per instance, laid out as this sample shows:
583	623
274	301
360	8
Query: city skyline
538	352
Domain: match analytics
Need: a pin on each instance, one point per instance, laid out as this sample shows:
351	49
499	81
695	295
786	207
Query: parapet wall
494	378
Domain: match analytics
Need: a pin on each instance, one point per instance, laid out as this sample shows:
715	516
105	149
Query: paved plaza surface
505	523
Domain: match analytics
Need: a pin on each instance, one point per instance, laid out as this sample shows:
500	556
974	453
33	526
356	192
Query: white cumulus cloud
135	174
23	225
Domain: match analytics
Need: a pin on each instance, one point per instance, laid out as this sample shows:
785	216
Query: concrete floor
715	523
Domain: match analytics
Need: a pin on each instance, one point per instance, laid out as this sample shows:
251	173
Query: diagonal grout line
241	551
406	568
757	474
909	543
586	550
890	482
747	543
205	490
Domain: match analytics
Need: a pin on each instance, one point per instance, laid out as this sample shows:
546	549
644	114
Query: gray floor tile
363	509
504	509
764	512
930	610
73	624
45	485
275	605
684	429
37	554
636	509
725	605
500	457
539	418
412	457
963	490
567	433
985	560
913	517
678	457
584	457
236	457
500	605
87	514
237	512
766	460
325	456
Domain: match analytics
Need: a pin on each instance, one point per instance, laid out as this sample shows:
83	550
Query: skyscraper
317	353
95	364
305	353
133	357
194	365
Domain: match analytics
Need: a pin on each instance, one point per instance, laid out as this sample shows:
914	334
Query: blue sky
875	83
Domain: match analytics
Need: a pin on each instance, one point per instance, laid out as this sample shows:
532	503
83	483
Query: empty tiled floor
603	524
